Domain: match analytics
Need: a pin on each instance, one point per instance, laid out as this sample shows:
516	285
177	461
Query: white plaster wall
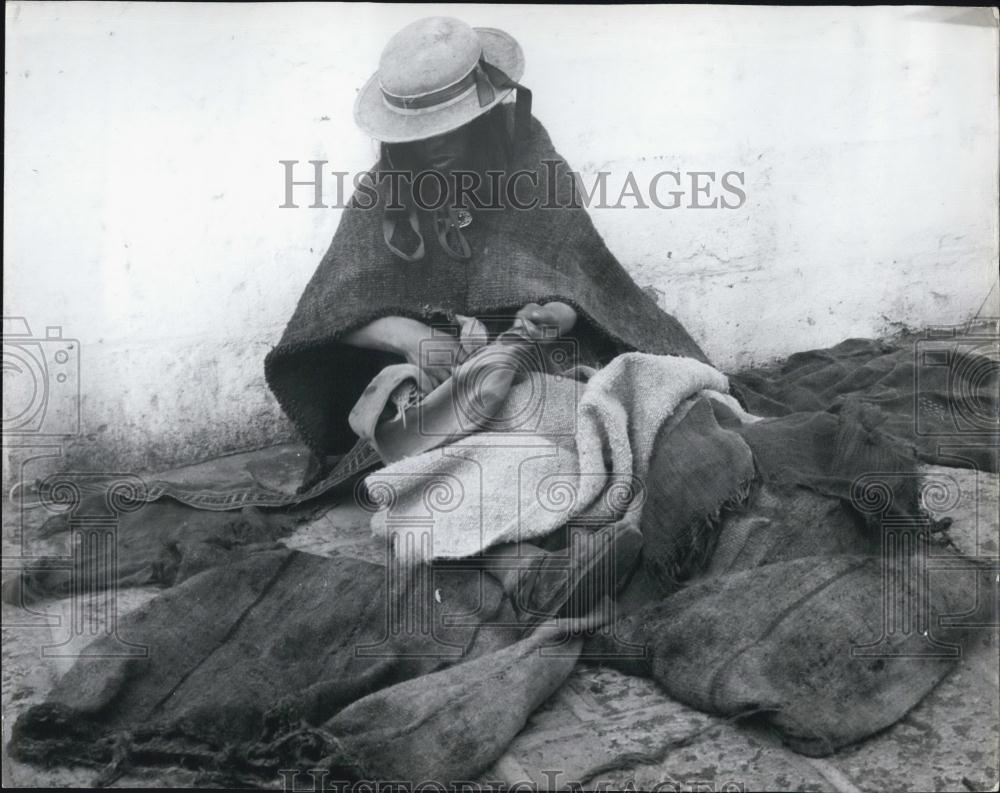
142	181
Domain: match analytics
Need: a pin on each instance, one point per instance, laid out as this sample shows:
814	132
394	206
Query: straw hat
436	75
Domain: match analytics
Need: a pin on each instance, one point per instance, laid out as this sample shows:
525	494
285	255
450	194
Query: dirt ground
949	742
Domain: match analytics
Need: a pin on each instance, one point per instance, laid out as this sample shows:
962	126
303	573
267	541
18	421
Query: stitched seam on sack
229	633
463	696
713	683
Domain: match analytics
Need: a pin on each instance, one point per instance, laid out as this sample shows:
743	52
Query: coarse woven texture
160	544
578	457
451	725
800	642
518	257
937	390
945	413
699	470
254	666
246	660
803	471
252	660
828	604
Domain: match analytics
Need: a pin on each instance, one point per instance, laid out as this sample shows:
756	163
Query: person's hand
436	356
408	338
534	319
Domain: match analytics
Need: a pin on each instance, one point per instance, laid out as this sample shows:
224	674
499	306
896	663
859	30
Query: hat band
411	110
477	77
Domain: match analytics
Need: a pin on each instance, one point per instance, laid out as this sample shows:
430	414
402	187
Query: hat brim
375	117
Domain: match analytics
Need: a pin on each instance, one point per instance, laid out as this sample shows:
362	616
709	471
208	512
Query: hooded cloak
549	252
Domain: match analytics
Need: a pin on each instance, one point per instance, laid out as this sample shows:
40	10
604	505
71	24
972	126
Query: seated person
404	263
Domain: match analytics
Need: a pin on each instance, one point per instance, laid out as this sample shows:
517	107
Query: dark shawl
518	257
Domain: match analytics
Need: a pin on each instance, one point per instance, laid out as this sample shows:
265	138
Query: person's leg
570	582
513	565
